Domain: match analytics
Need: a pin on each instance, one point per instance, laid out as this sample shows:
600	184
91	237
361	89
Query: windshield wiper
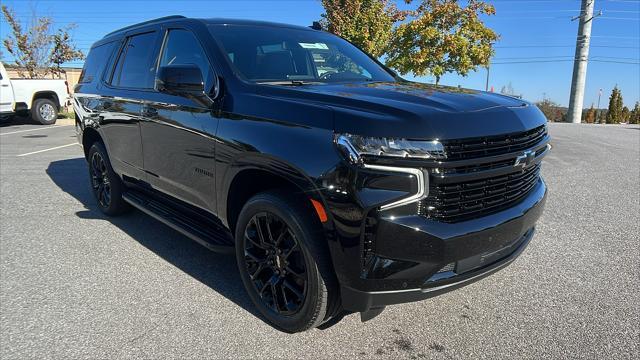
288	82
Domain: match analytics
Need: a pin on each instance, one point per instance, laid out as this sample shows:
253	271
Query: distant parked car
339	186
41	98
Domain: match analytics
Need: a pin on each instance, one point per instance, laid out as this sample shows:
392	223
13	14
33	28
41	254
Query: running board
208	235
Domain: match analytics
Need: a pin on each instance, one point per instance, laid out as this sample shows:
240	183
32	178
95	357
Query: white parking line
40	128
53	148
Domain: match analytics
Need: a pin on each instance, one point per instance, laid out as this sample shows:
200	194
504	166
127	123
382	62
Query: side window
135	67
183	48
95	62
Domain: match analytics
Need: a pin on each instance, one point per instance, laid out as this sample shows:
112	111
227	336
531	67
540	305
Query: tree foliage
433	38
36	51
634	118
590	115
366	23
614	113
508	90
63	50
625	114
442	36
551	110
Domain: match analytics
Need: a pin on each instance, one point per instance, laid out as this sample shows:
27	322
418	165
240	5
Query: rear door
6	92
177	132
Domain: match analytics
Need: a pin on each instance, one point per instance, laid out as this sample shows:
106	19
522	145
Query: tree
63	50
625	115
634	118
35	51
507	90
590	116
551	110
366	23
435	37
614	113
441	36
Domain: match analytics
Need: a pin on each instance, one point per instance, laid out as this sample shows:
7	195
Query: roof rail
146	23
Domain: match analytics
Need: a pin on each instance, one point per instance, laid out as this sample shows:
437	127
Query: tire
303	257
44	111
106	185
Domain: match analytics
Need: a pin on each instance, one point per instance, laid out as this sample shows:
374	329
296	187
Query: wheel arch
89	137
51	95
243	182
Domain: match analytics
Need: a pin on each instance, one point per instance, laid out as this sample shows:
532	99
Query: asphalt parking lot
75	284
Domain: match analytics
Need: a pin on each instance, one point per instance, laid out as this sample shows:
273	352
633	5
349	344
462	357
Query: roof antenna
316	25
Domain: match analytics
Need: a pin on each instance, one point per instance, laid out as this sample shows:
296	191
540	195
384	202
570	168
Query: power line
563	56
619	18
564	60
615	57
562	46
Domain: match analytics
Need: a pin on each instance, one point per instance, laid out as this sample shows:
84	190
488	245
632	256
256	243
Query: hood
418	111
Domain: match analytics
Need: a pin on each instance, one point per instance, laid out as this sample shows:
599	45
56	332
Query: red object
491	88
322	215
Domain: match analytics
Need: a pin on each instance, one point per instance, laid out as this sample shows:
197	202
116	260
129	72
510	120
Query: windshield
280	55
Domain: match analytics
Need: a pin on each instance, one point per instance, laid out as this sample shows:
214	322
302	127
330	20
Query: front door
178	133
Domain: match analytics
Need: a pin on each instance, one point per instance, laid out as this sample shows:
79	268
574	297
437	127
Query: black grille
493	145
467	200
367	240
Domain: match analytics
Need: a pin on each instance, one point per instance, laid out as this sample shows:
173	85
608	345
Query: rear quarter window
96	60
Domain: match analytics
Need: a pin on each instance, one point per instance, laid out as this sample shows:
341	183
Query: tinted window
183	48
263	54
94	64
135	67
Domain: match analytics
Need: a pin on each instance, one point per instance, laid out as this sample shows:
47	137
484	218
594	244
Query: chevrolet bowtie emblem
525	159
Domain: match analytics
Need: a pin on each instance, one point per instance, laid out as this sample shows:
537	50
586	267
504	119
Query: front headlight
354	146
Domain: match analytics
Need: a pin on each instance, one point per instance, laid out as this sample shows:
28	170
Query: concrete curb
65	121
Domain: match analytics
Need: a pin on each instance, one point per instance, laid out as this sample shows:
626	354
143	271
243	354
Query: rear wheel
106	184
283	263
44	111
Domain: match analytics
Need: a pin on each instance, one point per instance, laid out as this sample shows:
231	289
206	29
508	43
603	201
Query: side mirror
182	80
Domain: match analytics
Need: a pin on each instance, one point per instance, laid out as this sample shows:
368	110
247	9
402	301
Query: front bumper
416	258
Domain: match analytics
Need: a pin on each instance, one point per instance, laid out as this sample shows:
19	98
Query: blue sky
534	53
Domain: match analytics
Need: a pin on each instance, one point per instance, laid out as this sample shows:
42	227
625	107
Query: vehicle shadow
16	120
217	271
21	120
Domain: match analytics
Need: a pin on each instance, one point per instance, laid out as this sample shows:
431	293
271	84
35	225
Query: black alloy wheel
100	180
284	261
106	185
275	263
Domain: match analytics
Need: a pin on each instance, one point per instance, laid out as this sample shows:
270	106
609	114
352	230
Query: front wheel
44	111
283	263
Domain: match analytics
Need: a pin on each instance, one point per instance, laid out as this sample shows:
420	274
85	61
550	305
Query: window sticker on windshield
321	46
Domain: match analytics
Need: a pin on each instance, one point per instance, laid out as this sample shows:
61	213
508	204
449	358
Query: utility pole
486	86
576	98
598	112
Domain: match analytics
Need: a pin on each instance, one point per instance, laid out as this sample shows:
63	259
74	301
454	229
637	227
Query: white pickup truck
43	99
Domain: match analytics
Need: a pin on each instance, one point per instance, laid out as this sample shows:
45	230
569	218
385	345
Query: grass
63	114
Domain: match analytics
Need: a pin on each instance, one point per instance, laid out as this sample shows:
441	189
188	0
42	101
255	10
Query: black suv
340	187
